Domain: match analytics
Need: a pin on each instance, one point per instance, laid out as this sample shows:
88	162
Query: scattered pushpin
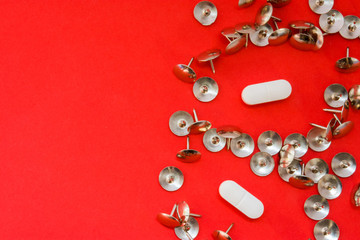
220	235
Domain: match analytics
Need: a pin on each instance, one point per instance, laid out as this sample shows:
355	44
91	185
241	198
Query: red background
86	94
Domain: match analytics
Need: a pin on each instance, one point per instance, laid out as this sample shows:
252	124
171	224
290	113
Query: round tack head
293	169
354	96
242	146
245	3
260	37
326	229
343	164
199	127
205	89
351	27
329	186
321	6
205	12
264	14
179	123
269	142
302	41
228	131
316	168
245	27
347	65
316	207
213	141
184	73
188	155
279	3
209	55
335	95
317	139
318	37
171	179
183	211
235	45
301	181
191	227
221	235
279	36
168	220
300	25
332	21
299	142
287	155
343	129
262	164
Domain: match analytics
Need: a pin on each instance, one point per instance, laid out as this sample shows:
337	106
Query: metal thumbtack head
316	207
300	26
260	37
302	41
299	142
228	132
242	146
213	141
343	128
287	155
335	95
301	181
318	37
344	111
184	72
279	36
327	134
264	14
262	164
347	64
235	45
168	220
179	123
316	168
317	139
205	12
188	155
354	96
329	186
351	27
356	196
171	179
245	28
245	3
326	229
269	142
189	230
209	56
279	3
293	169
183	212
205	89
198	126
343	164
332	21
321	6
220	235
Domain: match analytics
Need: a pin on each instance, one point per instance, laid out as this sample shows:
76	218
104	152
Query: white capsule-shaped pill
241	199
266	92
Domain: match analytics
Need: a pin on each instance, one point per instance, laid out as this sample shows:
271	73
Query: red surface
86	94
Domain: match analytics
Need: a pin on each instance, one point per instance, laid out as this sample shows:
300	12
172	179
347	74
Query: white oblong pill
266	92
241	199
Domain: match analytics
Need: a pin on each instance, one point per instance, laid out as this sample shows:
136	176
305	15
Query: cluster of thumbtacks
304	36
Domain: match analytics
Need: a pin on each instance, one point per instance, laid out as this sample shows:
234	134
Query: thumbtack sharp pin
220	235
